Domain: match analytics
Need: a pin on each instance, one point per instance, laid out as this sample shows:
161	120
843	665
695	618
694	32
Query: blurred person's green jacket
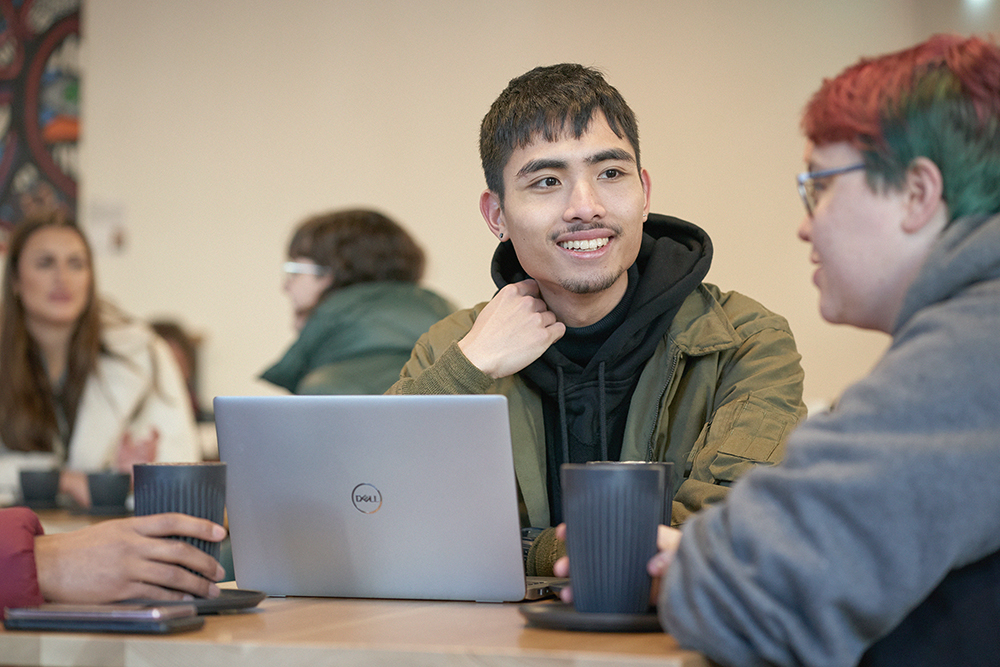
357	339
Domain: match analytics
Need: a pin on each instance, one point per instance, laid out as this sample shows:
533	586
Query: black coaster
231	599
562	616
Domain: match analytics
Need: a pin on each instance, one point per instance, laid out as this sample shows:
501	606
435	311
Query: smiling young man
603	336
878	537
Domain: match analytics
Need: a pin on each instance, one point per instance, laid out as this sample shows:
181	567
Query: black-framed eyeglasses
807	183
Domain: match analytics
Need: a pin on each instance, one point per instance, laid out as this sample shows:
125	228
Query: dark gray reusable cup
40	487
612	511
109	489
198	489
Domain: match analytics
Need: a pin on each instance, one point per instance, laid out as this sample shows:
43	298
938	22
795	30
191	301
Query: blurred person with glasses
352	278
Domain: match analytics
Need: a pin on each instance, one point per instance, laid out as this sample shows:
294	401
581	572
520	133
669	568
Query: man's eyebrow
618	154
540	164
552	163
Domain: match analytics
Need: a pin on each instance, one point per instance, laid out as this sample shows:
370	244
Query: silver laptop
373	496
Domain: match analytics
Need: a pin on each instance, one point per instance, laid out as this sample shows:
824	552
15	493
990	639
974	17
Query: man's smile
585	246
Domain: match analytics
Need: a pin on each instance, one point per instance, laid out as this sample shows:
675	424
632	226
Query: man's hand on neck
513	330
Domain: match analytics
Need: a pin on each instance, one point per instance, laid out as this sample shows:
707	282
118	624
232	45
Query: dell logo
366	498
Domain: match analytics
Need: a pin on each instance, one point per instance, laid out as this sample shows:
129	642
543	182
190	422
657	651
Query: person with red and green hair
937	100
877	540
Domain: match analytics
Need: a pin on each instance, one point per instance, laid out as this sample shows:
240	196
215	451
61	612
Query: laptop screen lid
372	496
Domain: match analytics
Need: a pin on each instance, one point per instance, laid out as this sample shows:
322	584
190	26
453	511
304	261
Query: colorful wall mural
39	107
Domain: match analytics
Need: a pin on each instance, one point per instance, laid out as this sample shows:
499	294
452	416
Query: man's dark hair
541	103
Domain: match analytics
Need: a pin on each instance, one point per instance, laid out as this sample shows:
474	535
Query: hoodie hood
585	402
673	259
965	254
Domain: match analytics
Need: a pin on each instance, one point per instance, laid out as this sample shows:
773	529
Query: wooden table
359	633
354	632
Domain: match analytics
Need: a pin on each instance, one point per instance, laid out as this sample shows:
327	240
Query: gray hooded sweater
884	516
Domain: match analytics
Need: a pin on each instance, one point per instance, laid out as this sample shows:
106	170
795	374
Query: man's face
862	253
574	208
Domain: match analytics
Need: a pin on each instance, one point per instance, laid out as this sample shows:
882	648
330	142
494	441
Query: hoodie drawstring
563	426
602	407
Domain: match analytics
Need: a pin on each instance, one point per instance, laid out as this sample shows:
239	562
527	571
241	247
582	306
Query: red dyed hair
855	105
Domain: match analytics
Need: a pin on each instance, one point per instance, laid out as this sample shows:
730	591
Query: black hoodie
586	379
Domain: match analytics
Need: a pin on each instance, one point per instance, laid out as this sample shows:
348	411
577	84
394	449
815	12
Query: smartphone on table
104	618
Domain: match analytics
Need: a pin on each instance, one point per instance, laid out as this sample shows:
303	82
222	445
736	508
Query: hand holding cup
613	512
196	489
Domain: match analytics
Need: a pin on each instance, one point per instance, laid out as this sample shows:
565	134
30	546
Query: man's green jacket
719	395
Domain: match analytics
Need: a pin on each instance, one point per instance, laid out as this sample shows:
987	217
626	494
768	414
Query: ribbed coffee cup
197	489
612	511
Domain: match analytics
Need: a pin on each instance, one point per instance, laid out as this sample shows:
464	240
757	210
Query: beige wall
213	126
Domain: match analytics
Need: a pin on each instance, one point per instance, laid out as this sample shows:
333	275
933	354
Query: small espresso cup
612	511
40	487
108	490
197	489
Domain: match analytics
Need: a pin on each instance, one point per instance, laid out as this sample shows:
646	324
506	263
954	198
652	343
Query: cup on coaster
109	489
40	487
612	511
197	489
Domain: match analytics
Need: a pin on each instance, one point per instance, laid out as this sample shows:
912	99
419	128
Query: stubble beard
592	285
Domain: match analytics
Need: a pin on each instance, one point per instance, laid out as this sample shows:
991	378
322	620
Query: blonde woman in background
81	386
